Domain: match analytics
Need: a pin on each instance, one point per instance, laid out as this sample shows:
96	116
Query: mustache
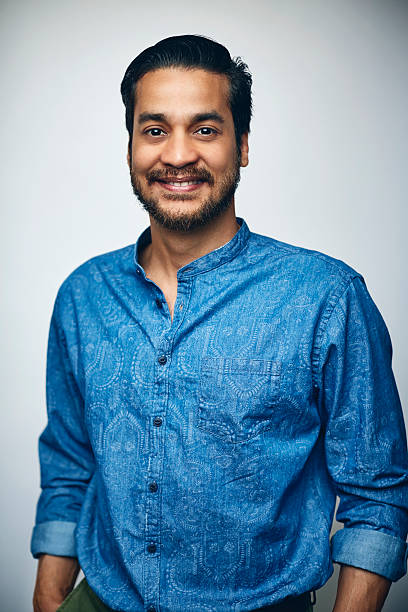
200	174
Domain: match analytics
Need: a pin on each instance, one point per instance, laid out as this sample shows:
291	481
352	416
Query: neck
170	250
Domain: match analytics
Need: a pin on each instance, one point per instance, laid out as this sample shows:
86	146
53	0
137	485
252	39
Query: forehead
181	90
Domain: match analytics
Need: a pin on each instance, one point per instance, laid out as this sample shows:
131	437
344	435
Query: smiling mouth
181	185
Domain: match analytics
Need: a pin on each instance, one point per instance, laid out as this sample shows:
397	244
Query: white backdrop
328	170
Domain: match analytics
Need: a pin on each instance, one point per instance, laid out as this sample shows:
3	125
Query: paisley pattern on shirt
194	464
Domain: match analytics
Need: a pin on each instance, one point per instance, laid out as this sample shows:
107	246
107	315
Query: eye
206	131
154	132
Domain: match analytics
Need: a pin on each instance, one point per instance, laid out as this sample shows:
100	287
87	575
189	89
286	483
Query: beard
210	208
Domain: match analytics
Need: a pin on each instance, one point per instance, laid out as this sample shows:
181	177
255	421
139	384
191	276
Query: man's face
184	162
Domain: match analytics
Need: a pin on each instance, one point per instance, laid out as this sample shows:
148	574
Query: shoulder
94	272
310	264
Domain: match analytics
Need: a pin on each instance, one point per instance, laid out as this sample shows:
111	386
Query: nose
178	151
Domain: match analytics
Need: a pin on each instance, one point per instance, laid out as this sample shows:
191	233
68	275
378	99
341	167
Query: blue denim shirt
194	464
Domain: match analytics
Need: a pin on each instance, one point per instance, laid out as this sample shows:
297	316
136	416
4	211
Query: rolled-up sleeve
66	458
365	438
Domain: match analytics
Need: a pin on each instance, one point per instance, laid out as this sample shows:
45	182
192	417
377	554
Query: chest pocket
237	397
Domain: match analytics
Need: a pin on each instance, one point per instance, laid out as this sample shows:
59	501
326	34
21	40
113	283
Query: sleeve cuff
54	538
371	550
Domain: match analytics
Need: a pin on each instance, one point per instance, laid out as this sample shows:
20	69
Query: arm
55	580
360	591
365	443
67	465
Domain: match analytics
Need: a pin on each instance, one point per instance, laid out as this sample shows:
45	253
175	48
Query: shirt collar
210	260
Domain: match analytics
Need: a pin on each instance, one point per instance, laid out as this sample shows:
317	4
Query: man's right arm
67	465
55	580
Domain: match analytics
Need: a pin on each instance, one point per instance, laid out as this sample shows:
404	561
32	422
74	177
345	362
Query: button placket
155	466
154	473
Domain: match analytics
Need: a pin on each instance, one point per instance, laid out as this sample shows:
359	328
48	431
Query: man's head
188	111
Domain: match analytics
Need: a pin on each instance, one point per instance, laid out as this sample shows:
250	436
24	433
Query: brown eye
206	131
154	132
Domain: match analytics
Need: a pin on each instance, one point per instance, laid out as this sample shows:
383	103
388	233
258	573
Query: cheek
221	158
142	158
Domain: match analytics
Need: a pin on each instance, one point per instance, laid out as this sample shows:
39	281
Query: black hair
193	51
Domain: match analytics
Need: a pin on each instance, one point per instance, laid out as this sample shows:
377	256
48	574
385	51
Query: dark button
151	548
137	270
151	609
162	359
153	487
159	303
157	421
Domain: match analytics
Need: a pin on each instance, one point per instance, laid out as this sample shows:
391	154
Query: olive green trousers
83	599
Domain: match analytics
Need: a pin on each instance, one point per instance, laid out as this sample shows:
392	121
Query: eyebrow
210	116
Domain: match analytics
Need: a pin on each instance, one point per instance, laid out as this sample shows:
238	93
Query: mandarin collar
206	262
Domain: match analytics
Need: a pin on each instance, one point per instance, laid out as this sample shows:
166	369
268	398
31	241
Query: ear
129	155
244	150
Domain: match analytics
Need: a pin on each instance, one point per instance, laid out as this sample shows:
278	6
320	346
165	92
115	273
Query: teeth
183	184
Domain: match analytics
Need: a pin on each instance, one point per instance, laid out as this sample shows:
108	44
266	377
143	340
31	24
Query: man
210	389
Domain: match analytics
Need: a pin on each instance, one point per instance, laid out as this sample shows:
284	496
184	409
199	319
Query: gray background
328	170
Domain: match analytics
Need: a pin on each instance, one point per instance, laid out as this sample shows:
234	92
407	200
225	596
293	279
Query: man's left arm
360	591
366	449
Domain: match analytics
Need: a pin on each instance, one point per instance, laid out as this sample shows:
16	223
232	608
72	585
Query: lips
183	184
